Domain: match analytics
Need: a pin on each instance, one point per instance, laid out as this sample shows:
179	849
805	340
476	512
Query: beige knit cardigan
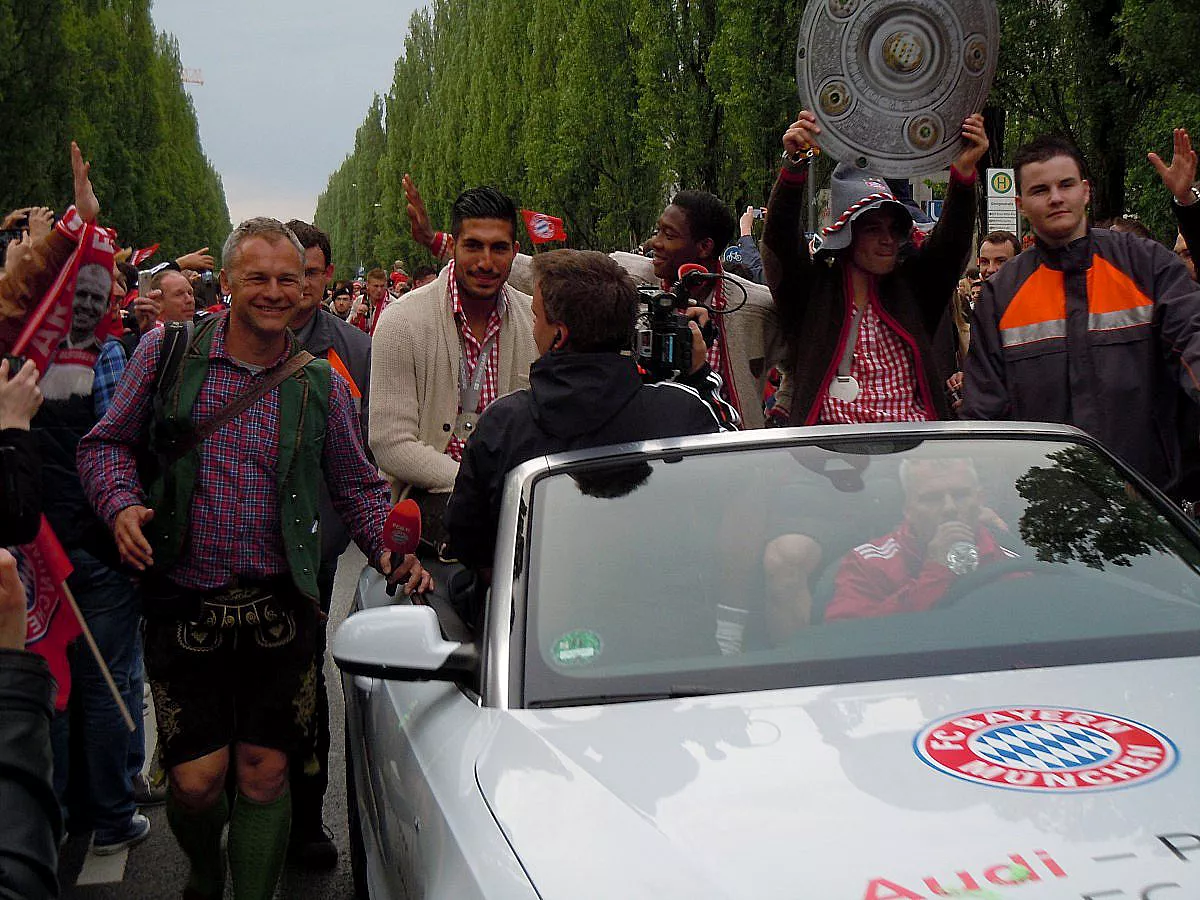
415	359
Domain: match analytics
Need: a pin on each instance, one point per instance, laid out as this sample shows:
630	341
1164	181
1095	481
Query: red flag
543	228
140	256
43	566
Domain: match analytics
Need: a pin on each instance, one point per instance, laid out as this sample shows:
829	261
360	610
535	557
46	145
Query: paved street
156	869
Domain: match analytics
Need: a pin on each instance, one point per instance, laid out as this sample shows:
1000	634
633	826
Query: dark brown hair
311	236
1044	148
590	294
1003	237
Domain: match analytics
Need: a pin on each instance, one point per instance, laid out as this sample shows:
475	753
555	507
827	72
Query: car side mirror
402	643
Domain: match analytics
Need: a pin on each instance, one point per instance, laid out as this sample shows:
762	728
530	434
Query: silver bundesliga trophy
891	81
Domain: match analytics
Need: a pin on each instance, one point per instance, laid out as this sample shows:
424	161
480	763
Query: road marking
102	869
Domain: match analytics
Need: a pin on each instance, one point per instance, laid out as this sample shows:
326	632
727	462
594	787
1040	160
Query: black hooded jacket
574	401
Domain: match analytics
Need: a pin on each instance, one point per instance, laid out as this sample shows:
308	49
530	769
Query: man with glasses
348	350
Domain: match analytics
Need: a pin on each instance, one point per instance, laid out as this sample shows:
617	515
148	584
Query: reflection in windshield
611	482
656	579
1080	509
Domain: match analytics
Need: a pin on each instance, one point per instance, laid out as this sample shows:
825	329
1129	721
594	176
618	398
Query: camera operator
584	391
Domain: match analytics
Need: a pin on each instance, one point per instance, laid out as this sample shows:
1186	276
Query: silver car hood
823	793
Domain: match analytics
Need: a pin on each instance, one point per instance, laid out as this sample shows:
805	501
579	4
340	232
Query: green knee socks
199	836
258	840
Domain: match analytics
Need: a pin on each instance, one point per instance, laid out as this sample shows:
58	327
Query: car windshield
848	560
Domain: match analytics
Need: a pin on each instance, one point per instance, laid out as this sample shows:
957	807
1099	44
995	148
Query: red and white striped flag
140	256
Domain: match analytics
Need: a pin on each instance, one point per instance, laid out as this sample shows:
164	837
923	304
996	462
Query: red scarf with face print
44	339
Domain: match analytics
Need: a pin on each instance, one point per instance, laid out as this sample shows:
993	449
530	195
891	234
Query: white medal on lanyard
845	387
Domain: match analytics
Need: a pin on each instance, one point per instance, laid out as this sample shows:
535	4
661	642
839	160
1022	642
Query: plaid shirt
233	522
471	346
109	368
882	365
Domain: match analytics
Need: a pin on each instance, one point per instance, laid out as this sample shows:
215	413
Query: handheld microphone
402	532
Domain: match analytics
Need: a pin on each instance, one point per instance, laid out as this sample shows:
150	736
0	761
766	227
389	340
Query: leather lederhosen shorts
240	669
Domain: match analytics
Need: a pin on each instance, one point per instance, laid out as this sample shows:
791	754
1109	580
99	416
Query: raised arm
785	257
1179	178
942	257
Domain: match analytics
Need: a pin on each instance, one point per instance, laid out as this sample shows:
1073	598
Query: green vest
303	411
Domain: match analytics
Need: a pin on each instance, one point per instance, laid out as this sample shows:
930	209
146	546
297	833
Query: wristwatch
1194	191
799	158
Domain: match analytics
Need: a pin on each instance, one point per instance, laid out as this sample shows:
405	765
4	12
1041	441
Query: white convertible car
847	663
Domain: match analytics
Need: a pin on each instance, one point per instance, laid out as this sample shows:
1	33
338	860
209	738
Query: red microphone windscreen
688	269
402	530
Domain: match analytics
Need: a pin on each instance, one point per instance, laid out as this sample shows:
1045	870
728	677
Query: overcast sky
285	86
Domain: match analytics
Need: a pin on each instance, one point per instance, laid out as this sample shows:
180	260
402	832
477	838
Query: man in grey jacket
348	350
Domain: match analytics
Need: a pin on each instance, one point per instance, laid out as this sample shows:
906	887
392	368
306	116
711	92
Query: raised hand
199	260
977	145
801	135
418	216
16	252
1178	177
20	395
41	220
11	220
86	203
146	310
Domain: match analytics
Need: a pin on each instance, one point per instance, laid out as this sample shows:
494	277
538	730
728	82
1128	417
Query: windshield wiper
676	692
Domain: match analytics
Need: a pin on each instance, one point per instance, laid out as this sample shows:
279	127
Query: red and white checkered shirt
233	523
883	367
471	346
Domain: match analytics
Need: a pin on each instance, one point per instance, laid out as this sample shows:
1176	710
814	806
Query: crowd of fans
222	436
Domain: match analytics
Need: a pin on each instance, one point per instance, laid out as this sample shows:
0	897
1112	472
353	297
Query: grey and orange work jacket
1102	334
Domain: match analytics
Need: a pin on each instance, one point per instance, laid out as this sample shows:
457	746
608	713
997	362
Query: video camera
662	339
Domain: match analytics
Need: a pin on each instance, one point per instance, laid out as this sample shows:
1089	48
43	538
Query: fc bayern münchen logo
1045	749
543	227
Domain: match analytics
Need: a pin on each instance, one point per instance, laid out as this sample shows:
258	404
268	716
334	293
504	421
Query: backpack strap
176	336
129	341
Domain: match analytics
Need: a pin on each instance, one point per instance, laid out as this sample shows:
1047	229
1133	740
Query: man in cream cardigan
446	351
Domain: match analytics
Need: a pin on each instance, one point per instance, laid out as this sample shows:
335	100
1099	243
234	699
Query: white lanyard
470	382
